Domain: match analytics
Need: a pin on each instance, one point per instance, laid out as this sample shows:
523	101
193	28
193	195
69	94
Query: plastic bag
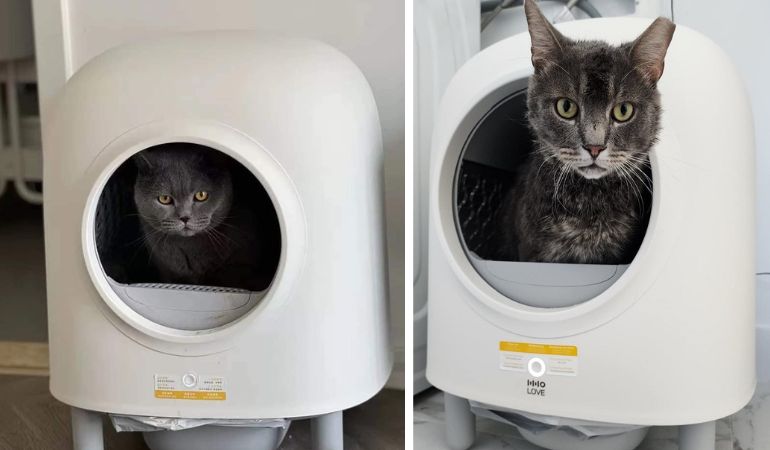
149	423
538	423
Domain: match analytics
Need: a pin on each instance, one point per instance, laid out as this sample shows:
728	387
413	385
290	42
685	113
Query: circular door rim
449	142
260	163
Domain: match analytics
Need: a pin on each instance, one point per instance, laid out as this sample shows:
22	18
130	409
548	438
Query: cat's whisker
631	185
220	237
647	179
635	171
163	240
517	120
225	224
545	160
223	235
216	245
641	199
635	163
636	67
143	238
563	69
563	172
216	235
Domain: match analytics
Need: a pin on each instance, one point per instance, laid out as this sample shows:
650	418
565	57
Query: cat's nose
184	219
594	150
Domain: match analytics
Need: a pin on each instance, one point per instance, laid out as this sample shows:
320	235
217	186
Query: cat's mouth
592	171
187	232
184	230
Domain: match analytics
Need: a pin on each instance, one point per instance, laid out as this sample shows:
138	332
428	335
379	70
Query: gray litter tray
187	307
547	285
210	437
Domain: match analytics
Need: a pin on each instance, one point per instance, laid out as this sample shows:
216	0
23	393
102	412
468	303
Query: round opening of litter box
187	236
492	161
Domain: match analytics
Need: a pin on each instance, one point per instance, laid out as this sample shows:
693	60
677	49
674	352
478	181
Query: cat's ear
649	50
547	42
142	162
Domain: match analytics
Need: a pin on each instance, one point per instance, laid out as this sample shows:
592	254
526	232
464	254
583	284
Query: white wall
71	32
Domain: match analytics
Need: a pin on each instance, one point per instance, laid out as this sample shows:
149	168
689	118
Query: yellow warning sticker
190	386
191	395
539	359
538	349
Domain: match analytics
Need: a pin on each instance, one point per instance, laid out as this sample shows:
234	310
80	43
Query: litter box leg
86	430
326	431
460	422
701	436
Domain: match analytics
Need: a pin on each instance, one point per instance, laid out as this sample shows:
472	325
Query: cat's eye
165	199
566	108
201	196
623	111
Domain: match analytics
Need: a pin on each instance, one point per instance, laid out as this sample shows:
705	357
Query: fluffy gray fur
189	241
584	190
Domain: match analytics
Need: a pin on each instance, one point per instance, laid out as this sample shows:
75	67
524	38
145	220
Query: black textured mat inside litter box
480	191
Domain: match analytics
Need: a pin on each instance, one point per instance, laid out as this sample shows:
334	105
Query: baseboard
23	358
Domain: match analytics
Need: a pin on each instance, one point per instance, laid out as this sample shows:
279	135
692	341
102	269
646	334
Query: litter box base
326	430
86	430
701	436
460	423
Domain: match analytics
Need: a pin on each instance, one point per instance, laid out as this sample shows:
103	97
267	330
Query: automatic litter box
298	121
665	340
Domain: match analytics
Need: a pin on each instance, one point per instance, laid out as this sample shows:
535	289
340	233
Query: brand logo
536	388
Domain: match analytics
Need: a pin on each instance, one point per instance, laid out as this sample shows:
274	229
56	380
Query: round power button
189	380
536	367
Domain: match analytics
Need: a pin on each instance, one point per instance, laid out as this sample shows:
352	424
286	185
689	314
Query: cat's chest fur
575	220
188	259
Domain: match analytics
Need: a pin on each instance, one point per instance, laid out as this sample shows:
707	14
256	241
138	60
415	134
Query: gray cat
194	230
594	110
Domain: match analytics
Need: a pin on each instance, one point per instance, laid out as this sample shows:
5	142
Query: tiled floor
736	432
31	419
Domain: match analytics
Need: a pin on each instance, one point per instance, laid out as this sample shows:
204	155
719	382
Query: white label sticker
559	360
190	386
562	365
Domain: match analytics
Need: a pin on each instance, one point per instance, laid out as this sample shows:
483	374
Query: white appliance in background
446	34
510	21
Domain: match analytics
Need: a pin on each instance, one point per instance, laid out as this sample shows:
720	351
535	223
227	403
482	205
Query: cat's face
181	191
595	107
